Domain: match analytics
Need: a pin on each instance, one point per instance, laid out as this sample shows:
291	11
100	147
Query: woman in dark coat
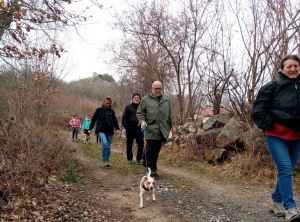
277	112
106	122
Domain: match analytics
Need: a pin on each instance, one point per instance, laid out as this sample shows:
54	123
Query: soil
109	196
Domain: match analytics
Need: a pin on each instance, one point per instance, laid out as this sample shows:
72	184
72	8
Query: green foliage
69	176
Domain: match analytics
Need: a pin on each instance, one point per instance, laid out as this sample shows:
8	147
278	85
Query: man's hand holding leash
143	124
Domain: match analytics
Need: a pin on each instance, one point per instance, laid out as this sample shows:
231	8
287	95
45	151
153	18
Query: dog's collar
144	187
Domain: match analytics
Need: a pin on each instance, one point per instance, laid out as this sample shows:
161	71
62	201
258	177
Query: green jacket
86	124
157	114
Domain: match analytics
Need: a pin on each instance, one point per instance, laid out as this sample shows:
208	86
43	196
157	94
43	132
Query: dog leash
143	131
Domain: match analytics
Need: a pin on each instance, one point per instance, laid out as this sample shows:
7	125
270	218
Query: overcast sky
84	55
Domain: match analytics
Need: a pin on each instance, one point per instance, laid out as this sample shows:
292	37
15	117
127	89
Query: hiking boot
292	215
153	174
140	162
129	162
278	209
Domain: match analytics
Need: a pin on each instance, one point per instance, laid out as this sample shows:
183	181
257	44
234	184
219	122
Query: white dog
86	139
147	184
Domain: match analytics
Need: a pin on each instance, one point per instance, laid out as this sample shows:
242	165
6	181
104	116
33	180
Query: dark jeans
151	154
98	140
74	133
139	139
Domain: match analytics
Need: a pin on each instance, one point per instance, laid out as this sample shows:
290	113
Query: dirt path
114	197
119	195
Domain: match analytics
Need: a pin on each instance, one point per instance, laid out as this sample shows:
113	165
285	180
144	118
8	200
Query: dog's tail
148	172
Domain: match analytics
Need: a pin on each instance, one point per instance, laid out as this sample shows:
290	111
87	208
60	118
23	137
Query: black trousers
86	132
139	139
98	140
151	154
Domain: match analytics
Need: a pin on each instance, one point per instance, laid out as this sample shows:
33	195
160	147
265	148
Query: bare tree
268	31
27	28
177	33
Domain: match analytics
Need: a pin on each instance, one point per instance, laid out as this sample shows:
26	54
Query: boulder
231	133
208	138
188	127
215	156
254	139
216	121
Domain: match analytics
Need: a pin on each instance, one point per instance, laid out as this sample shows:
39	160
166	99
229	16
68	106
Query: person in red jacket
76	125
276	111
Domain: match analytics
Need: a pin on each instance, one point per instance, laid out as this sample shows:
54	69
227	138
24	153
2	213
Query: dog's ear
144	179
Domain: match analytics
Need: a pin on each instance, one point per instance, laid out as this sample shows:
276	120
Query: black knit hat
136	94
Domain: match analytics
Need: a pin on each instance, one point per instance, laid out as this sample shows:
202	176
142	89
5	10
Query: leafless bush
67	105
191	152
30	94
31	150
29	155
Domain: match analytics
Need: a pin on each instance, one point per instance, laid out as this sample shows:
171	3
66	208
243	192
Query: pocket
150	122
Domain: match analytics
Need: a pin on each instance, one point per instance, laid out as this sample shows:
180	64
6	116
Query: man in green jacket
154	112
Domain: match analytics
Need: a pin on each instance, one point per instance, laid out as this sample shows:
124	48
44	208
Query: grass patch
120	166
69	176
117	160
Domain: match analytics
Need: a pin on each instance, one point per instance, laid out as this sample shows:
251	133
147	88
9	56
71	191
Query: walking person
106	121
86	125
154	112
277	112
133	130
76	125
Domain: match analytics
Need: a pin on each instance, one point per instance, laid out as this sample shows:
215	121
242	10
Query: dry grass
251	168
175	154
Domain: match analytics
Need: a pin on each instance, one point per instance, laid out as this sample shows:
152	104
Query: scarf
107	115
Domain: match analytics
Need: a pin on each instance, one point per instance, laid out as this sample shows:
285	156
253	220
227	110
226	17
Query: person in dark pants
76	125
154	112
85	125
133	131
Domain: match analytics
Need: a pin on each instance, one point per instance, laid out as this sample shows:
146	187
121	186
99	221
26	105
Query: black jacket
278	101
129	119
102	125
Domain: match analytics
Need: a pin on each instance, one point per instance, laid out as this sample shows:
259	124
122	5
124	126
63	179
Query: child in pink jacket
76	125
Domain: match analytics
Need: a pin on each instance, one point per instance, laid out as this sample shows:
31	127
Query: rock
232	131
208	138
254	139
216	121
215	156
